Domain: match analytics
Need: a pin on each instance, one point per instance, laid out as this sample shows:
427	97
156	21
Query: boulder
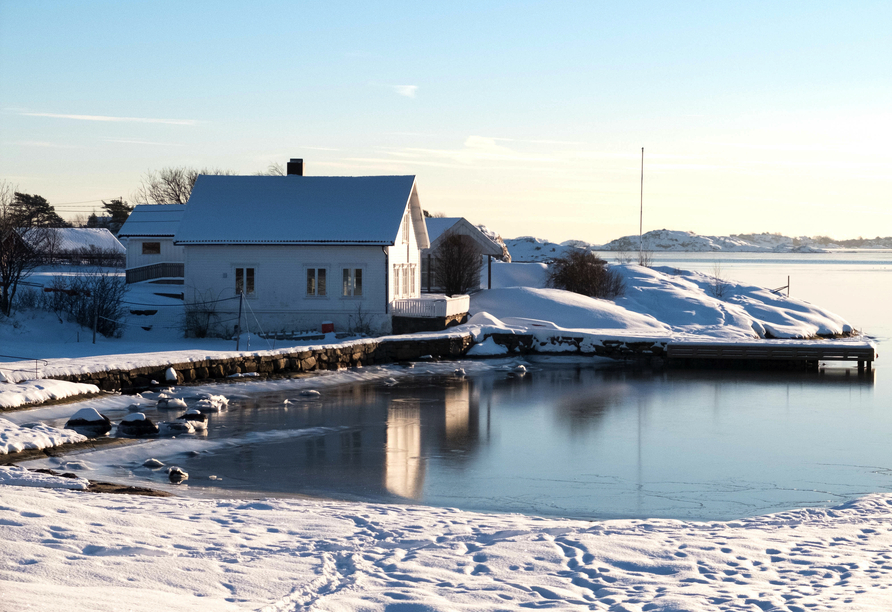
177	475
137	424
198	420
88	422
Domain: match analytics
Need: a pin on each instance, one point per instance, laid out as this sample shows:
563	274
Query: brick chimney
295	167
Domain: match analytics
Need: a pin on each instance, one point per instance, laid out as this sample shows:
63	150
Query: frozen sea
570	438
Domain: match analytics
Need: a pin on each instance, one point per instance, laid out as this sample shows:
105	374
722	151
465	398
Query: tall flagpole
641	214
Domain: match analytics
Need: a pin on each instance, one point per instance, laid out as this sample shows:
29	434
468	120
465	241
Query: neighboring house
303	250
76	245
438	229
151	253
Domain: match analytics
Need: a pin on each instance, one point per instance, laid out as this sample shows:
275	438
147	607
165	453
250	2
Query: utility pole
641	213
238	323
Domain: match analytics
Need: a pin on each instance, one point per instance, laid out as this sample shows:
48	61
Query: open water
575	440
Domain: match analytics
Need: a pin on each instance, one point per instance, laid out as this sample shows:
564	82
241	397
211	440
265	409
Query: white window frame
242	278
348	285
406	225
316	295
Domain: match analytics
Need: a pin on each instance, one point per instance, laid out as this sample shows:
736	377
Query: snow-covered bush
584	272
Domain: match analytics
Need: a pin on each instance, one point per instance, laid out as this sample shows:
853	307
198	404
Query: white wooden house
439	229
302	250
148	234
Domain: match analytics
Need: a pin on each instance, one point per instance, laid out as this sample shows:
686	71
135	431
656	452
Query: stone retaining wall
300	360
358	354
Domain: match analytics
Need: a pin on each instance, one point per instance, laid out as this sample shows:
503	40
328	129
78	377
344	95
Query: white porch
432	305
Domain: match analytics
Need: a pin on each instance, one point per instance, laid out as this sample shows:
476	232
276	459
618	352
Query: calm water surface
579	441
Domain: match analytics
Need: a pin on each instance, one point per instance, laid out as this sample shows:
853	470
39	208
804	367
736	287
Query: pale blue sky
526	116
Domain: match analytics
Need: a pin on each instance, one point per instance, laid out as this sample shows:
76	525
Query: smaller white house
77	245
151	253
439	229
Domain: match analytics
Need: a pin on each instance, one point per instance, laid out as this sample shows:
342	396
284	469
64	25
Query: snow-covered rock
137	424
89	422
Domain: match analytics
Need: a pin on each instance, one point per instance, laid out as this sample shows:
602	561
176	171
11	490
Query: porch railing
153	271
431	306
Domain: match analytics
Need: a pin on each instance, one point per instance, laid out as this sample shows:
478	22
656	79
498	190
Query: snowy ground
81	551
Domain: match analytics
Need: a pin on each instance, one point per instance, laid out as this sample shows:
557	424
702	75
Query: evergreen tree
118	210
35	210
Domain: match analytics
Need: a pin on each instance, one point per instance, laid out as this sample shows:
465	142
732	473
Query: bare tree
584	272
21	243
456	265
171	185
274	169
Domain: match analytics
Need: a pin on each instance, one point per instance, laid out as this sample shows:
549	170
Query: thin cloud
110	119
406	90
48	145
144	142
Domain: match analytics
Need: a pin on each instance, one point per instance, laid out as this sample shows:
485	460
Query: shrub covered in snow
586	273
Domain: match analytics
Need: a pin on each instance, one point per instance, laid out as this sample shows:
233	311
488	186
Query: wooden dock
807	352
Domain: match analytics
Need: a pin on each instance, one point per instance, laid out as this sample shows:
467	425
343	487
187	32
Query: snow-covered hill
528	248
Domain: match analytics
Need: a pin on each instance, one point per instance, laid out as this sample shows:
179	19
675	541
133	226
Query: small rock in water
134	407
170	403
212	403
194	453
88	422
520	368
195	418
176	475
152	463
459	372
212	477
154	382
137	424
310	393
390	382
176	427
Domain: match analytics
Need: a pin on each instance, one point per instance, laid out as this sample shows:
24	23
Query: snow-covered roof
298	210
437	226
153	220
76	238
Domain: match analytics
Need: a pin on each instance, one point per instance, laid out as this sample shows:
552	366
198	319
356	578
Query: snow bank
563	308
14	475
15	438
37	391
184	554
699	305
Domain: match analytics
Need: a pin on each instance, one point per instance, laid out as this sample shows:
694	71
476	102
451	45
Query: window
352	282
151	248
316	282
406	228
404	279
244	281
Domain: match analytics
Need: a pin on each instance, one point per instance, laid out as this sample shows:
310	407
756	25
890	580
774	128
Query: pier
806	352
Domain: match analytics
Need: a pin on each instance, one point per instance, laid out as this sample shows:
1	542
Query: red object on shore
327	327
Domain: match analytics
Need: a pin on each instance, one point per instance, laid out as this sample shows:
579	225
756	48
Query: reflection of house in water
414	430
404	465
363	440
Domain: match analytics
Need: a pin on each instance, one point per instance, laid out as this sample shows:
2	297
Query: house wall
404	254
169	252
280	301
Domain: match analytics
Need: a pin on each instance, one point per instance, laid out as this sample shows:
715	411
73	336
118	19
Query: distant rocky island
528	248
